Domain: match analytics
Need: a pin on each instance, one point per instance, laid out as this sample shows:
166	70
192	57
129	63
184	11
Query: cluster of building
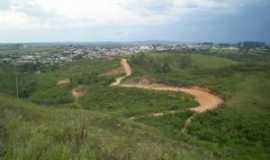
68	53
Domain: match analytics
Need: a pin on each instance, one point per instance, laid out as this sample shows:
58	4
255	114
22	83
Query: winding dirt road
128	72
207	100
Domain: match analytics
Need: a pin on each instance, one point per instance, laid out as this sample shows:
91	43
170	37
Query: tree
165	68
27	86
140	59
161	67
185	61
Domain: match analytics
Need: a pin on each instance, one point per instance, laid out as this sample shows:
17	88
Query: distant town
52	53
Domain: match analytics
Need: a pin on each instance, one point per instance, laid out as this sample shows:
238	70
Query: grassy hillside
242	124
48	123
29	131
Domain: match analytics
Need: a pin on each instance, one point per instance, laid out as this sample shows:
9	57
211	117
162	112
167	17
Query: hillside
47	122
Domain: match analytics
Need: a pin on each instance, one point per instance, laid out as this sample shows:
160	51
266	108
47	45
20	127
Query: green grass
210	62
242	122
47	122
29	131
43	88
170	125
244	118
129	102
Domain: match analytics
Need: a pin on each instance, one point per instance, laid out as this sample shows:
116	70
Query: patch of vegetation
129	102
243	80
170	125
29	131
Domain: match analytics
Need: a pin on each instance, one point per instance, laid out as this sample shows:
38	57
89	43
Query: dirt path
63	82
207	100
128	72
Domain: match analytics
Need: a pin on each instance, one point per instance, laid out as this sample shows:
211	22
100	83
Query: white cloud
13	18
73	13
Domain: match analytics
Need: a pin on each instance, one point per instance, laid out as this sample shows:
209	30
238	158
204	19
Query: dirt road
128	72
207	100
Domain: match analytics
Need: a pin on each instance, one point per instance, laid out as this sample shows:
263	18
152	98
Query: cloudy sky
134	20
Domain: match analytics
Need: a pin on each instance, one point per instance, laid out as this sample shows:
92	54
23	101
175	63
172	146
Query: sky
134	20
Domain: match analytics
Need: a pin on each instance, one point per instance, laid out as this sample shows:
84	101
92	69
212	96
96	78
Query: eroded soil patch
79	92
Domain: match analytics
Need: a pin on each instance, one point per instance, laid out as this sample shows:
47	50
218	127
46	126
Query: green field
46	122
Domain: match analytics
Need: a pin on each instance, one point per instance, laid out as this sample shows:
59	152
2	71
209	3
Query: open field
47	122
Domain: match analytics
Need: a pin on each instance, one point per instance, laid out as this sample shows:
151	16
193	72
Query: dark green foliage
52	96
27	85
185	61
92	79
8	81
139	59
228	126
28	67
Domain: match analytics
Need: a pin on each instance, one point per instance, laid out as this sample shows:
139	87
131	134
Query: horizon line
130	41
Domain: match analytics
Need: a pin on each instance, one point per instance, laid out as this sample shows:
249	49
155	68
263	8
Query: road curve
207	101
